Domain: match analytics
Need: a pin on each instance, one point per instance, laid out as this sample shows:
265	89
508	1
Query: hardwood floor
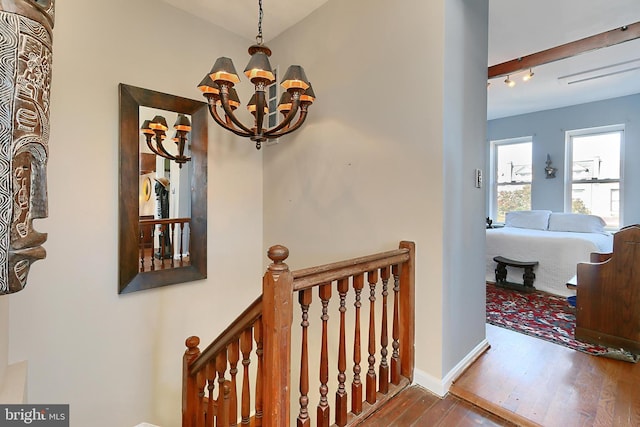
525	381
417	407
532	382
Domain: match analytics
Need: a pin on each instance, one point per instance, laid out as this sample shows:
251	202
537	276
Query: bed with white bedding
558	241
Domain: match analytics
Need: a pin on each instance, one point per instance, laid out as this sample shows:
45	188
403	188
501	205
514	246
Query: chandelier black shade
218	88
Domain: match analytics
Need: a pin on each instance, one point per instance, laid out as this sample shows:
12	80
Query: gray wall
548	130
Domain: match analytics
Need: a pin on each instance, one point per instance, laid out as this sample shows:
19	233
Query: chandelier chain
259	36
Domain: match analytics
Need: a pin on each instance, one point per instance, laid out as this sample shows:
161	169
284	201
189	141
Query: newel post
277	317
190	392
407	311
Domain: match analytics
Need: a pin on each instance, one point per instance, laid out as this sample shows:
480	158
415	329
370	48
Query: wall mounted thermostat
478	178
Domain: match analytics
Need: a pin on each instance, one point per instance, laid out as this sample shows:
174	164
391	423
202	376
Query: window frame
568	166
493	154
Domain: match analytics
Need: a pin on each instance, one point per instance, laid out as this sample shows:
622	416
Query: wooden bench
608	294
528	276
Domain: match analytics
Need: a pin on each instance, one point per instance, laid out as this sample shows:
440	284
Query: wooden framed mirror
145	262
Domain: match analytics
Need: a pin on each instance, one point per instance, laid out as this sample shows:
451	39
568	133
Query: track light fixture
528	76
509	82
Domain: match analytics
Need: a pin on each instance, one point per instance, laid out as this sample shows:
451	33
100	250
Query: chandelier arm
156	151
161	148
295	104
298	123
224	100
214	113
260	105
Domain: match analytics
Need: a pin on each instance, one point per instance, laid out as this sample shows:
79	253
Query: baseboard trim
441	387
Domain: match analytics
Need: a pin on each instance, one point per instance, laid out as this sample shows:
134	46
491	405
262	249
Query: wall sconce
549	171
156	130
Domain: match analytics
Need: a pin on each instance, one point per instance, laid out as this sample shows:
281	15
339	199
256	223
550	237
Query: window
272	101
593	183
511	177
271	95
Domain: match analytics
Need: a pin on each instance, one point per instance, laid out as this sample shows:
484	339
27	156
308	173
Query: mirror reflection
163	189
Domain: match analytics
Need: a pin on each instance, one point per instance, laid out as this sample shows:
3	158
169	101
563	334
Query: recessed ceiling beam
598	41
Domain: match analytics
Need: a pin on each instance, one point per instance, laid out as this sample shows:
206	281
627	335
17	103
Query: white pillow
579	223
535	220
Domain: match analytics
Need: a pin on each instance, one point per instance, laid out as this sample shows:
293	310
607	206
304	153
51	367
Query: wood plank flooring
417	407
525	381
532	382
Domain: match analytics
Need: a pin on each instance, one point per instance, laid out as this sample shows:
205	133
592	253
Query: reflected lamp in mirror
155	133
163	190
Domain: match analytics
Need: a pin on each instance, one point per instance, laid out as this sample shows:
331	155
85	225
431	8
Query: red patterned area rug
542	315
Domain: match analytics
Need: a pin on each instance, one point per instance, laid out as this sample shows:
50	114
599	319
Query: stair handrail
243	321
273	311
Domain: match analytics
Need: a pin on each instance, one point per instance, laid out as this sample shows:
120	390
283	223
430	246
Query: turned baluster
234	356
210	372
141	245
395	355
202	408
372	278
384	339
152	228
304	297
246	344
181	241
341	393
189	384
223	390
323	406
259	371
172	234
162	237
356	385
223	418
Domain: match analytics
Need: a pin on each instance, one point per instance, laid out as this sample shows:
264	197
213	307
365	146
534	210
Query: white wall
117	359
388	153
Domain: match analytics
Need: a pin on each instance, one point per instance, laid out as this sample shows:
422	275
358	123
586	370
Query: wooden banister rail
235	329
164	221
374	378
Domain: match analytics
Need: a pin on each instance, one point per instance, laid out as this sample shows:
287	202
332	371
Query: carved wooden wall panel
25	82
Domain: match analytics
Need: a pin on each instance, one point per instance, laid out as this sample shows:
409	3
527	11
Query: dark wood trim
587	44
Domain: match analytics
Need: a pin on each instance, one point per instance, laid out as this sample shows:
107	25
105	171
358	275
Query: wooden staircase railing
260	340
171	235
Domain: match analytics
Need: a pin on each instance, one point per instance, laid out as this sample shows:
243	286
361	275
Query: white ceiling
516	28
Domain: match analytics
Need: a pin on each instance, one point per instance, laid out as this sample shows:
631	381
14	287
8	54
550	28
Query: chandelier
155	131
218	88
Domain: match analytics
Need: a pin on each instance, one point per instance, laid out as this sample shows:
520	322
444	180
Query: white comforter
558	253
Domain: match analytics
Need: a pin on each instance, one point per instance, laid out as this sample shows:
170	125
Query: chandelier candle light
156	130
218	88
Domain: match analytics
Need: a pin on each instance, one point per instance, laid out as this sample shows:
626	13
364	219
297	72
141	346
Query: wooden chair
608	294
